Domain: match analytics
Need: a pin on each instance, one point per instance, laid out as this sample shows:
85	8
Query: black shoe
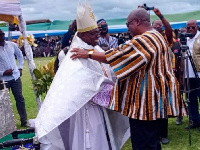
25	125
164	141
178	121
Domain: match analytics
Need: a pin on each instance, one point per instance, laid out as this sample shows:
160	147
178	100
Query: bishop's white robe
68	119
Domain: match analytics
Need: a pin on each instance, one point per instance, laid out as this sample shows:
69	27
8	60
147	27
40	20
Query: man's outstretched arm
81	53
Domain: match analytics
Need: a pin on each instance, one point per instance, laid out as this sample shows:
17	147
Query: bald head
183	30
157	24
141	14
192	21
192	27
138	22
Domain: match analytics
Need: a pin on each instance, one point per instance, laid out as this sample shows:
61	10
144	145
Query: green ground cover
178	136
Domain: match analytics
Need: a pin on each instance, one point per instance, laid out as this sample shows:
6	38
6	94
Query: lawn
178	136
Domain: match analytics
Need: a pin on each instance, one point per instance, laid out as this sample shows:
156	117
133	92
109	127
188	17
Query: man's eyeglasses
193	27
141	19
2	34
128	23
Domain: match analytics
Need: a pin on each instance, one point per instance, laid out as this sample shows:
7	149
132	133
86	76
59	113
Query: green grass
27	89
178	136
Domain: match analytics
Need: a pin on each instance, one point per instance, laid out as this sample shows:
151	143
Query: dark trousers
193	105
16	87
145	135
163	128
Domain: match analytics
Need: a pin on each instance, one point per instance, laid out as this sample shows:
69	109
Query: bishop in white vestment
72	116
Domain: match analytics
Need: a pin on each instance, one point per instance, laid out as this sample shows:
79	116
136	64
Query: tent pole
29	55
9	32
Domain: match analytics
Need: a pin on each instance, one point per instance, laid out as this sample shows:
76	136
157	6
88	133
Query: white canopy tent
10	7
9	10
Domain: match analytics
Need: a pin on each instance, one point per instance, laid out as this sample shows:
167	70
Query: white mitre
85	19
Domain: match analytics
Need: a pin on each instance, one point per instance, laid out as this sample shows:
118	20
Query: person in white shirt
11	73
192	27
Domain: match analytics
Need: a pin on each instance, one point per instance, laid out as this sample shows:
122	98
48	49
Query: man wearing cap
105	38
71	116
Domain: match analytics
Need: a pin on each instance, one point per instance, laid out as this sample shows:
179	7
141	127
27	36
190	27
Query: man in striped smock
145	88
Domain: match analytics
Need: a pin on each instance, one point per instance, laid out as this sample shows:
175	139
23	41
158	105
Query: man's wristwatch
90	53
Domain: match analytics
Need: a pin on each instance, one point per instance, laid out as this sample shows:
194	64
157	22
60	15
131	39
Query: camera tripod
186	55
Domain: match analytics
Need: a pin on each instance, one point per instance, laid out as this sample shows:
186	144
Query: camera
148	8
104	27
183	36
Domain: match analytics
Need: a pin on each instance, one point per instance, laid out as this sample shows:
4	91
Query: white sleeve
19	55
61	56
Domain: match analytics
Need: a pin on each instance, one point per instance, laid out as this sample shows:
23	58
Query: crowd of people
46	47
51	46
136	78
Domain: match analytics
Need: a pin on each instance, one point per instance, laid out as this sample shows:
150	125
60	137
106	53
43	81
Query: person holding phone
105	38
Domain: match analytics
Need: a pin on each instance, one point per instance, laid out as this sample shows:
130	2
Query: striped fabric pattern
112	43
170	46
145	88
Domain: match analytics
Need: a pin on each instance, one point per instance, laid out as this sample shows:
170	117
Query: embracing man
145	88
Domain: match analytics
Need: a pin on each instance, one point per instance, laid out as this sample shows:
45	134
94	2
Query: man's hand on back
79	53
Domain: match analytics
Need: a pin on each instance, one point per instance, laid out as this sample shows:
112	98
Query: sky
107	9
